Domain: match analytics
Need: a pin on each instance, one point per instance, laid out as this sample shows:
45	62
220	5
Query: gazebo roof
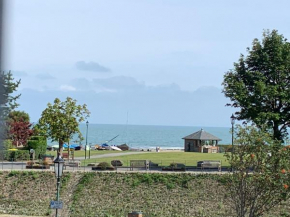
201	135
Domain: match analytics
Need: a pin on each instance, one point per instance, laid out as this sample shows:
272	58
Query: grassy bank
115	194
165	158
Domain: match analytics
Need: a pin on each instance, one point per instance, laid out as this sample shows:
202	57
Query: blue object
70	146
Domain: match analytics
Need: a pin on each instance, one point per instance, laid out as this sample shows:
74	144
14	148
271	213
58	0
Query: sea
145	136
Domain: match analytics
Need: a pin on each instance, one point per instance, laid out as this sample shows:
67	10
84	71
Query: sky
161	62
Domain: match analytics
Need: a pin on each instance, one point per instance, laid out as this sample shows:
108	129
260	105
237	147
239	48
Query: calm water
138	136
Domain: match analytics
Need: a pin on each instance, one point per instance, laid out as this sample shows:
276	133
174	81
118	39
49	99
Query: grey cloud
45	76
155	105
91	66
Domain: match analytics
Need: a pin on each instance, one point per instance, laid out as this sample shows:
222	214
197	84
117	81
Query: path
113	155
67	193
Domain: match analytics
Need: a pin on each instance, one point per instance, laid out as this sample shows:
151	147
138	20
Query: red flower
283	171
286	186
252	156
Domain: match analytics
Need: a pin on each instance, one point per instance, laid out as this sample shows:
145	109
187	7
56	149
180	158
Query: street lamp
87	123
233	122
58	169
87	140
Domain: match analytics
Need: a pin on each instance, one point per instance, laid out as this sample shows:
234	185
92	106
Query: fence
86	165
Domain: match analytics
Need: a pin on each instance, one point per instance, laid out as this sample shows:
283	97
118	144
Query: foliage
60	120
38	144
14	155
19	132
104	165
8	144
261	172
18	116
8	100
259	84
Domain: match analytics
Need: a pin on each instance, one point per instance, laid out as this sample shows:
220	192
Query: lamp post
87	123
87	139
58	168
232	122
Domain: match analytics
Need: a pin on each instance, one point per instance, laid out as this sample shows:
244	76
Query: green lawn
164	158
82	152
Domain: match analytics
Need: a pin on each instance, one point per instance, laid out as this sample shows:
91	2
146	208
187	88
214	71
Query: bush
104	165
177	165
117	163
38	144
15	155
8	144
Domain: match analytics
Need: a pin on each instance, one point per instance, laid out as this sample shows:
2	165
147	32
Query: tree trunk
60	147
277	133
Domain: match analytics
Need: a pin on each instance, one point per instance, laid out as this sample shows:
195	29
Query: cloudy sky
160	61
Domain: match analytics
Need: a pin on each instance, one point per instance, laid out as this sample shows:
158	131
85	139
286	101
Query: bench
72	164
209	164
139	164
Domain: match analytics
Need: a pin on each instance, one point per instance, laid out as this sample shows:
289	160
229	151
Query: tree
60	120
259	84
18	127
19	132
7	88
18	116
261	172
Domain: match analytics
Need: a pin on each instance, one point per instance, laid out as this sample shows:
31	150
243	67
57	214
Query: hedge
38	144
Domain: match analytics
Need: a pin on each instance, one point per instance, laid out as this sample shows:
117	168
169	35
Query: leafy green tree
60	120
18	116
261	172
259	84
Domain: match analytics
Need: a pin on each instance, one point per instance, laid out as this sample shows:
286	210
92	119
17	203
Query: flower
286	186
252	156
283	171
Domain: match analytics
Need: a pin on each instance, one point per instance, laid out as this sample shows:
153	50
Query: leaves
259	84
60	120
19	132
261	174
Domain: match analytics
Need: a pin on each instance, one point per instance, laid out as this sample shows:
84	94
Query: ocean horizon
145	136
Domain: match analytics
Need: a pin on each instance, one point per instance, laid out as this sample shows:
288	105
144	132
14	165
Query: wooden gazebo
201	141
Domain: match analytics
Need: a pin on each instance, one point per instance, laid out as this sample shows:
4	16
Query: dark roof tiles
201	135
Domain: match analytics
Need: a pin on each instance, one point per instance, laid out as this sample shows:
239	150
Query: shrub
104	165
15	155
260	172
38	144
29	163
117	163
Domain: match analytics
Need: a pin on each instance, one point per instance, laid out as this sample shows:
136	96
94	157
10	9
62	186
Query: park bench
72	164
209	164
139	164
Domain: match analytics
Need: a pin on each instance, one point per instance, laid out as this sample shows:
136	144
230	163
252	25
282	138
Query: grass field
82	153
165	158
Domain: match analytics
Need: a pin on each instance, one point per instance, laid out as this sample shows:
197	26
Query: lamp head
233	119
58	166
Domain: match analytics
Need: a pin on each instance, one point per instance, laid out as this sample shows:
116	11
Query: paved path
113	155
